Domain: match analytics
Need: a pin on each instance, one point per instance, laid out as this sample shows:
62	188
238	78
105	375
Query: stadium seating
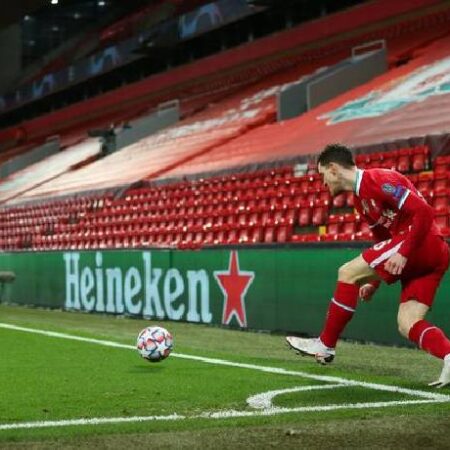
230	123
239	110
262	207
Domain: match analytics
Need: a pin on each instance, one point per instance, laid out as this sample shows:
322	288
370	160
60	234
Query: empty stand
271	206
351	119
24	181
228	122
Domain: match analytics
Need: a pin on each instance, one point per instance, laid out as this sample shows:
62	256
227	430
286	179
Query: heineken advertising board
260	289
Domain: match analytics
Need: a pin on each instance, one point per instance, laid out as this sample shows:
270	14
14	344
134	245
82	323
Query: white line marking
273	411
93	421
267	369
224	414
66	336
264	400
429	396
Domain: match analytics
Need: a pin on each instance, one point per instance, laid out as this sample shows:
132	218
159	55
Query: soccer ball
154	343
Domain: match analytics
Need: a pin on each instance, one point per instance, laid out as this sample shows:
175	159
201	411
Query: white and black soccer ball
154	343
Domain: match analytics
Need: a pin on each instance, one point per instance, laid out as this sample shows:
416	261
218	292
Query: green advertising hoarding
282	289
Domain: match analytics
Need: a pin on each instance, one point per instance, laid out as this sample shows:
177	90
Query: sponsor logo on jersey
388	188
396	191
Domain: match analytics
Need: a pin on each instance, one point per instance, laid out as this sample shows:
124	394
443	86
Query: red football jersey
392	205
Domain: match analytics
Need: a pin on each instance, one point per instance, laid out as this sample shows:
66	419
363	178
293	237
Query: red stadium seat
319	216
304	184
425	183
442	221
253	219
440	182
290	217
420	158
404	161
362	160
349	228
256	235
269	235
389	160
232	237
333	228
209	238
220	237
324	197
311	198
440	202
304	217
316	185
244	237
265	218
198	239
339	201
363	226
350	199
441	164
441	168
284	234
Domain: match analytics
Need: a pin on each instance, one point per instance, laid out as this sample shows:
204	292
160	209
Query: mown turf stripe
275	370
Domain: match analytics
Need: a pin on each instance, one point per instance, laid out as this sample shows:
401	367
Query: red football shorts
424	269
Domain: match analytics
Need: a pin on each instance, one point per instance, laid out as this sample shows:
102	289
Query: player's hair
336	153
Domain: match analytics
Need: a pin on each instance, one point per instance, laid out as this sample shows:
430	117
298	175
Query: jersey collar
359	175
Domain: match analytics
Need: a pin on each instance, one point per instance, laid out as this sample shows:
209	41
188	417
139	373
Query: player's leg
410	313
343	304
340	311
366	267
418	292
428	337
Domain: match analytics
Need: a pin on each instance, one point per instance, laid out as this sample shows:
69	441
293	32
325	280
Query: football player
409	249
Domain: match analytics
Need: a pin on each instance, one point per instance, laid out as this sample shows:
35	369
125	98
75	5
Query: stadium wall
287	289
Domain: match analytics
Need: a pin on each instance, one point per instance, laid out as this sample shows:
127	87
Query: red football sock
430	338
340	312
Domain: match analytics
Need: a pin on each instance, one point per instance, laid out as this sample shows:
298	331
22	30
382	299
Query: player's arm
423	216
367	290
422	219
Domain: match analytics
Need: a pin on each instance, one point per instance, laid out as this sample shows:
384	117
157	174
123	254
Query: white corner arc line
264	400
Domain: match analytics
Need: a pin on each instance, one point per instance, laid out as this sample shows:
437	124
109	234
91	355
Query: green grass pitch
202	395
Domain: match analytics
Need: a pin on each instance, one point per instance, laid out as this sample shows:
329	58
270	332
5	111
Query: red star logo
234	285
